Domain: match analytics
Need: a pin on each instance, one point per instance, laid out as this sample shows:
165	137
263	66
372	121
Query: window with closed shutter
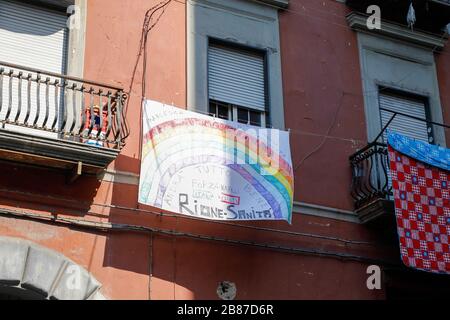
34	37
411	127
236	77
236	81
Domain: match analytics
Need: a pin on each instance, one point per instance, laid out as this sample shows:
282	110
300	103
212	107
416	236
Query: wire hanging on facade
235	225
325	137
108	226
142	51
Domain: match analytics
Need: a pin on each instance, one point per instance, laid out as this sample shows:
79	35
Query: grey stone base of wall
31	271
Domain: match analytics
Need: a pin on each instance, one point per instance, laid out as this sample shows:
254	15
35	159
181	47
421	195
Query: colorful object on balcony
212	168
96	139
422	208
433	155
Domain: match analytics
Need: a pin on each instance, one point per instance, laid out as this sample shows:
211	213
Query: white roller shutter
236	77
34	37
405	125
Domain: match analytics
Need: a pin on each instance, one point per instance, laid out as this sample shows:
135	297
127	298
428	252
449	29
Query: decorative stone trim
119	177
443	2
202	26
282	4
56	148
299	207
376	210
54	4
358	22
48	274
325	212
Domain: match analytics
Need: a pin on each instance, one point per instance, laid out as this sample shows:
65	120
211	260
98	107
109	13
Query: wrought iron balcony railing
55	106
370	175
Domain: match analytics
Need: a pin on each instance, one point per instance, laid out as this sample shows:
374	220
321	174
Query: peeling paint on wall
31	230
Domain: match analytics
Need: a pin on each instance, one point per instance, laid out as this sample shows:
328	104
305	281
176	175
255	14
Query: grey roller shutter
236	77
34	37
405	125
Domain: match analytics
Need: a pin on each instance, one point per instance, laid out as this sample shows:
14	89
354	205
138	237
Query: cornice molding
325	212
282	4
443	2
358	22
299	207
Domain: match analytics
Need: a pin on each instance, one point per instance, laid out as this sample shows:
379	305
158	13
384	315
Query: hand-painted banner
422	202
211	168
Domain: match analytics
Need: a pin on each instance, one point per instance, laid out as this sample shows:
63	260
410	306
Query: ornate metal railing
370	174
57	106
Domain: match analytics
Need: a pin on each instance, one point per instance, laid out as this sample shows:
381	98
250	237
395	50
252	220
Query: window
414	106
33	36
410	74
236	84
40	28
236	113
36	37
234	61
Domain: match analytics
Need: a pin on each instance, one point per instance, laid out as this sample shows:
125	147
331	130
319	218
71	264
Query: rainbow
188	139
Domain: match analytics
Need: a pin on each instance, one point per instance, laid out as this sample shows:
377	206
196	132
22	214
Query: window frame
415	73
75	39
233	113
265	115
409	96
261	32
51	5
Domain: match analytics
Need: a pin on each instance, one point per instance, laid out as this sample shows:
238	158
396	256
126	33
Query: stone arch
32	271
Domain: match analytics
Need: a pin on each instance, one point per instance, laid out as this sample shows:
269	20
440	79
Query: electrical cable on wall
325	137
171	215
146	30
108	226
163	4
142	51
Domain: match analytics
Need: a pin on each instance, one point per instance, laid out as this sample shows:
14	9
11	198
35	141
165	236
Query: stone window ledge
282	4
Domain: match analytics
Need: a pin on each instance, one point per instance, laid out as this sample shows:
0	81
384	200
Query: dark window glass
218	110
222	111
255	118
246	116
242	115
212	108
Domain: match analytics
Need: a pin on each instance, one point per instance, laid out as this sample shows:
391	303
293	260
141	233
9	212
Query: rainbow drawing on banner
211	168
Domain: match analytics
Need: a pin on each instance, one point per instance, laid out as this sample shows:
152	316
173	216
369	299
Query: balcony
371	189
431	15
57	121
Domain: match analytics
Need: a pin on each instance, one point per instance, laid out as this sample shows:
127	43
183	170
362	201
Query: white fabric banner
211	168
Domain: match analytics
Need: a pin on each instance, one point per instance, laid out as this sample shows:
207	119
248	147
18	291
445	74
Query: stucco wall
323	101
322	97
113	36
